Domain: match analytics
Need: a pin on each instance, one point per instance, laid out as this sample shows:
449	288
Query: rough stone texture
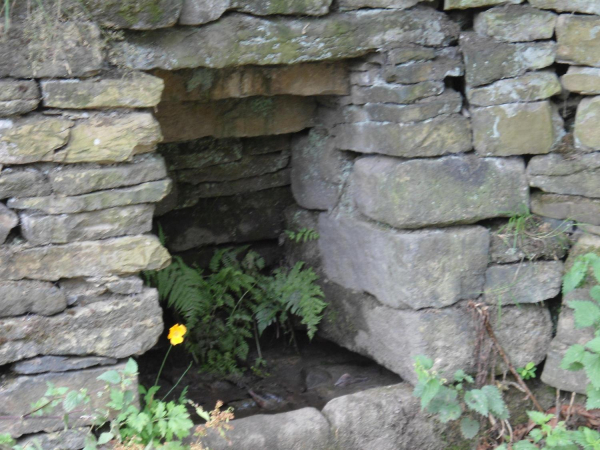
27	182
578	41
111	137
303	429
17	395
582	6
530	87
444	191
516	129
465	4
286	7
27	296
241	218
407	53
124	285
528	282
416	72
387	418
44	364
135	90
197	12
582	80
422	269
447	335
60	229
75	50
73	439
393	93
488	60
571	207
202	153
32	138
587	134
203	84
432	137
296	219
18	96
8	220
111	328
267	41
235	118
561	175
125	255
516	23
85	178
348	5
151	192
318	170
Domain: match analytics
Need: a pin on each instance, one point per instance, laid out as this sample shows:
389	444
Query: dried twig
573	394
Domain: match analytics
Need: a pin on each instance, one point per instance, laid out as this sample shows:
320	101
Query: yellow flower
176	333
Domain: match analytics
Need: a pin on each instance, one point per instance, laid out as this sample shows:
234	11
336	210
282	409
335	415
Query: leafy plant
302	235
527	372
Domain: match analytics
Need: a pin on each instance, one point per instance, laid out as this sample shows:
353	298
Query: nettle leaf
495	402
594	345
469	427
593	397
71	400
430	389
586	313
525	445
591	364
573	359
460	376
111	377
131	368
575	276
595	293
596	268
539	418
446	405
477	401
105	437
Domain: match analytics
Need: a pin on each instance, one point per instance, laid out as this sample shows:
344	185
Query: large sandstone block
587	132
151	192
113	328
582	80
30	297
417	72
75	50
578	40
44	364
32	138
582	6
348	5
516	23
318	170
203	84
124	255
530	87
135	90
394	93
402	269
111	137
285	7
18	96
240	39
488	60
433	137
27	182
465	4
197	12
571	207
447	335
516	129
560	175
8	220
444	191
257	116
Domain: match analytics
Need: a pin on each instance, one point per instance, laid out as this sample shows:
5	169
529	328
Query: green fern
303	235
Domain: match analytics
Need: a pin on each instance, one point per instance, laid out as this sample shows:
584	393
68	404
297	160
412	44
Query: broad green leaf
596	269
573	358
71	400
461	376
525	445
594	345
111	377
539	418
586	313
575	276
595	293
424	361
477	401
430	389
591	365
469	427
593	397
105	437
131	368
495	402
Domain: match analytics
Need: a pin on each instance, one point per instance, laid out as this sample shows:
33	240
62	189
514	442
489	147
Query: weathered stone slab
457	189
27	296
73	439
74	180
257	116
582	80
27	182
530	87
516	129
432	137
44	364
63	228
285	7
527	282
416	72
587	132
242	218
135	90
488	60
151	192
348	5
124	285
391	93
447	335
17	395
516	23
203	84
582	6
318	170
465	4
8	220
33	138
201	153
304	428
197	12
83	291
111	137
557	174
268	41
18	96
578	40
408	53
571	207
74	50
124	255
115	329
401	269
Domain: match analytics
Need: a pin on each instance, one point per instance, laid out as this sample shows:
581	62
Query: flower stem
162	365
175	385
